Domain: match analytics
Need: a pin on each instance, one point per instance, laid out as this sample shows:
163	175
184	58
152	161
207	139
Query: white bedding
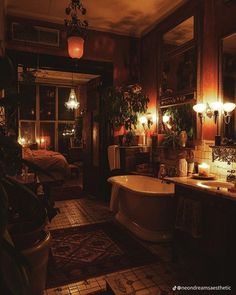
53	162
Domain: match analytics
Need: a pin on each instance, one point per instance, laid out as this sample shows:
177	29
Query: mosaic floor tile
154	279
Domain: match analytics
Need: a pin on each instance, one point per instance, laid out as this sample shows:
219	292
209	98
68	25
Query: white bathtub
144	205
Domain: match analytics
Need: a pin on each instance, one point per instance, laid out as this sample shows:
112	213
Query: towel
189	217
114	157
114	202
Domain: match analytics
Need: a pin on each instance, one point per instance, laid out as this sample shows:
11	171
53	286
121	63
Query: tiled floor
154	279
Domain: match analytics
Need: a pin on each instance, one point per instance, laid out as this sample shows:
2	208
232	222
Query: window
44	118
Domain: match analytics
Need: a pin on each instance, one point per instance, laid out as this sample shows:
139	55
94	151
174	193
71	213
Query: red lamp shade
75	46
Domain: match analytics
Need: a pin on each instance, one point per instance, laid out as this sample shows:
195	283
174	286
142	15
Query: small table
29	179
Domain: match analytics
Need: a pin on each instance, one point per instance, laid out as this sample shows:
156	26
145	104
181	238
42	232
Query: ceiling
126	17
57	77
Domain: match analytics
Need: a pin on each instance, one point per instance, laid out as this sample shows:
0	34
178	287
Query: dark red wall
217	19
122	51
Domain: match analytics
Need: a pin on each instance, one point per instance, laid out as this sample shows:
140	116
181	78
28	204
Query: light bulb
228	107
199	108
165	118
216	106
143	120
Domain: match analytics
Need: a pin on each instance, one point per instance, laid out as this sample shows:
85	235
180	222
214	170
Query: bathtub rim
143	193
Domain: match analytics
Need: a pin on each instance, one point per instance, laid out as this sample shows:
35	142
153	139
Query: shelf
224	153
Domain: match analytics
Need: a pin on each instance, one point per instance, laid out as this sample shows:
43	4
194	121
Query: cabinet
212	255
129	156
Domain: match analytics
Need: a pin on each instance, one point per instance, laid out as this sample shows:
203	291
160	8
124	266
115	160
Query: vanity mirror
178	83
228	83
179	67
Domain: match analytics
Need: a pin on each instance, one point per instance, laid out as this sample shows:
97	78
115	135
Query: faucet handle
231	171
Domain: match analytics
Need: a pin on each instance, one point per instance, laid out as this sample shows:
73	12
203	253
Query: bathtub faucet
162	172
166	171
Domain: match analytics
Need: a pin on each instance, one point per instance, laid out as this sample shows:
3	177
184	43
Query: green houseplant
24	242
123	105
181	118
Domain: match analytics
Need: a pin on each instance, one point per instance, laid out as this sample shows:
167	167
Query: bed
53	162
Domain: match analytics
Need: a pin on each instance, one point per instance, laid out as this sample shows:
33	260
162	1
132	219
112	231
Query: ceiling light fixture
76	28
72	103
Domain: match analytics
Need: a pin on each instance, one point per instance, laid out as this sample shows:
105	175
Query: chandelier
72	103
76	28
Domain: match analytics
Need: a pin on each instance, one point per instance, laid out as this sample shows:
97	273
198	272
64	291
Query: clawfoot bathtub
144	205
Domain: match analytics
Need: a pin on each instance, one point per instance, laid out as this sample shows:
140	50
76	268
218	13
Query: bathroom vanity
205	230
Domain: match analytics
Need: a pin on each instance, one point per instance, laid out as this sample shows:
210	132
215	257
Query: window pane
27	132
47	136
63	112
47	103
65	137
28	102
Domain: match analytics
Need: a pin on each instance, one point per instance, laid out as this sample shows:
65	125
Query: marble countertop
198	184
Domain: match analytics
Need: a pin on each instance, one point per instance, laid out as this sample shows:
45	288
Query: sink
218	184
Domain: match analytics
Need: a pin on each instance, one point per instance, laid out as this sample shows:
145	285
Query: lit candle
43	143
203	169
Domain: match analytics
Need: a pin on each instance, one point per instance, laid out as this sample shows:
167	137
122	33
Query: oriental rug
79	253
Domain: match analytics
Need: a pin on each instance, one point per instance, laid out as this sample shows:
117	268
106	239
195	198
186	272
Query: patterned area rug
83	252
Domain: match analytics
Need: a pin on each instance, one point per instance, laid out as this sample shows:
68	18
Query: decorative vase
183	137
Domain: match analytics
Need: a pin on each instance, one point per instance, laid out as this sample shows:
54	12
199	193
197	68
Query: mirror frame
220	81
194	44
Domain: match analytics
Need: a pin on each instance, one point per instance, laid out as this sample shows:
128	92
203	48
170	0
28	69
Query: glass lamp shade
75	46
165	118
72	103
228	107
143	120
216	106
199	108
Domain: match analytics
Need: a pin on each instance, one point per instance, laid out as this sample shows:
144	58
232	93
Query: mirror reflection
229	82
179	35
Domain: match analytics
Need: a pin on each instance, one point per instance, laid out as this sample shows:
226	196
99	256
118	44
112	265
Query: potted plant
122	107
24	242
179	126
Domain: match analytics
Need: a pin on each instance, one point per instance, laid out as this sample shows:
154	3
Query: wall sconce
143	120
147	119
167	120
213	110
228	108
200	109
215	107
151	118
